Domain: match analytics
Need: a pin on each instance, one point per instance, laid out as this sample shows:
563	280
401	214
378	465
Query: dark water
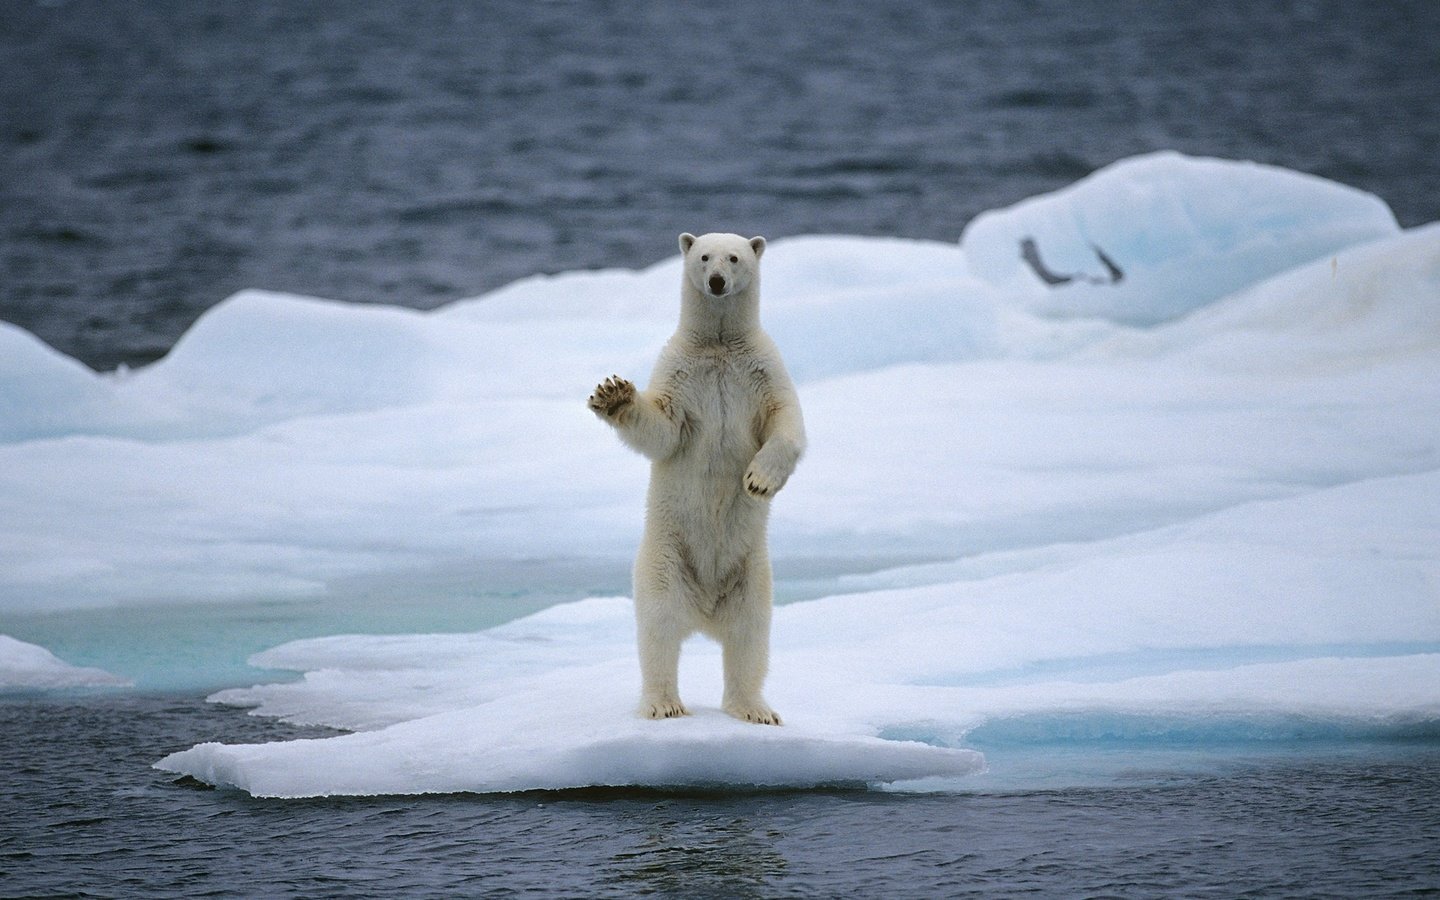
84	815
156	157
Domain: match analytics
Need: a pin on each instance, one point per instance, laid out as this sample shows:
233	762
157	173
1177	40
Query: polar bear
721	425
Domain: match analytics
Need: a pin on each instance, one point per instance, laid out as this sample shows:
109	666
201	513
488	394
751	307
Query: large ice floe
1152	458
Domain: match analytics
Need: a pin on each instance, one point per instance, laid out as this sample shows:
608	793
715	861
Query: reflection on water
686	854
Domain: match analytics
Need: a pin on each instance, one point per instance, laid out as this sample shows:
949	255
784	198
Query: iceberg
25	667
1197	498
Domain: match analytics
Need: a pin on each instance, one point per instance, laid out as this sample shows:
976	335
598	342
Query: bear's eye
705	258
734	258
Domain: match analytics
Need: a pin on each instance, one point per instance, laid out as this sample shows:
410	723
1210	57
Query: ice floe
1162	447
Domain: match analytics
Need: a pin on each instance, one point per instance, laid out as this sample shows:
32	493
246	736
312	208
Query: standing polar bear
721	425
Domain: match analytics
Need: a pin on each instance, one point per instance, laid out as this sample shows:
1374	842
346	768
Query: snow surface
25	666
1203	500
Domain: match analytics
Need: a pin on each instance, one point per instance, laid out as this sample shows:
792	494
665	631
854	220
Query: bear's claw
612	395
758	713
761	482
665	709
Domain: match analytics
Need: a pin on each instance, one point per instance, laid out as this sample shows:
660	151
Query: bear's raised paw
762	480
612	395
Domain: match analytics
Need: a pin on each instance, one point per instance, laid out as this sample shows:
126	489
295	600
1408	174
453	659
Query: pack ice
1155	455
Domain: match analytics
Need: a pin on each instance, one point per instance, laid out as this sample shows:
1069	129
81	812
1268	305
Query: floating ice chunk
1152	237
29	667
546	702
567	728
459	753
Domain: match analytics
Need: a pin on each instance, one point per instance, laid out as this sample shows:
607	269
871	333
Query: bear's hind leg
745	642
659	633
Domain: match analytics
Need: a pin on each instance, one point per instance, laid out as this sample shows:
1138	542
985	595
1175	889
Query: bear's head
721	265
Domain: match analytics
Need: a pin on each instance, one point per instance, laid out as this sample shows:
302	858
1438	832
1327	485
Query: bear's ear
758	245
687	240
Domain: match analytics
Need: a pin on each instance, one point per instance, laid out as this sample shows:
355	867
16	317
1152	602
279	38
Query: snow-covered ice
543	703
1177	234
1203	496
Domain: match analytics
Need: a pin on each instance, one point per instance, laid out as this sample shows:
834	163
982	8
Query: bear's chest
723	399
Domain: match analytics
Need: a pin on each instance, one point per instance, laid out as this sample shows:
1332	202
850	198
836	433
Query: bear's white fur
721	424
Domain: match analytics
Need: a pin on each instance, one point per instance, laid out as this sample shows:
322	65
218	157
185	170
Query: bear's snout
717	284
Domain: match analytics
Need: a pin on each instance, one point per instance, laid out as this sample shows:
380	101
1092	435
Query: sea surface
156	157
86	817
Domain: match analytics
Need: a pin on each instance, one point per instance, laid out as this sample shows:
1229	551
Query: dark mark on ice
1116	274
1030	252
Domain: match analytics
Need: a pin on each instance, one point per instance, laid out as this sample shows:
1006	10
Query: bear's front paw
755	711
611	396
762	480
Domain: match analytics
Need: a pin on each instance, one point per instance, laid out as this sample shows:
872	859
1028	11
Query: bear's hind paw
758	713
664	709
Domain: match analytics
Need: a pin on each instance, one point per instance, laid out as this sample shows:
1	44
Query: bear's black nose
717	284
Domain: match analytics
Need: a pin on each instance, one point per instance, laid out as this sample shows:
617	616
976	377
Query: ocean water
87	818
155	158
